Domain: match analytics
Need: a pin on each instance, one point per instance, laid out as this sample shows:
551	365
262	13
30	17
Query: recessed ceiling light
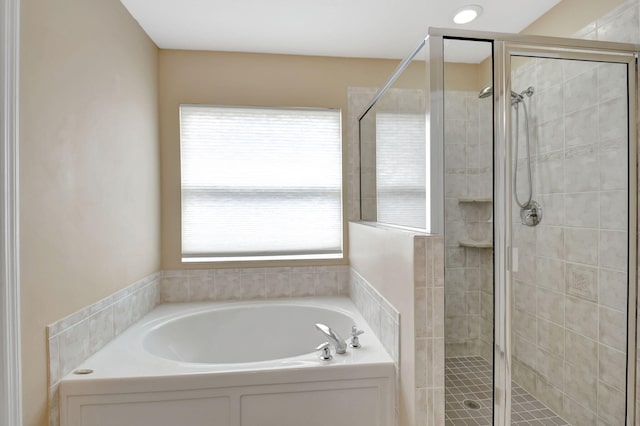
467	14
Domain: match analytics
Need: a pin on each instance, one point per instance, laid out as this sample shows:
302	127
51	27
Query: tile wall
429	329
621	25
468	218
569	293
253	283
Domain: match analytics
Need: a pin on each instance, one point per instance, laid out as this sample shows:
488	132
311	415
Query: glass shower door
564	192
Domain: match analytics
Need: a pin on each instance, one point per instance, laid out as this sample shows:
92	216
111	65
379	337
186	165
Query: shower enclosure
529	169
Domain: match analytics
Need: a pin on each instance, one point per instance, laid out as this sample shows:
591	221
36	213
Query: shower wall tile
581	385
550	337
524	324
550	274
575	95
577	414
578	320
611	405
548	394
469	161
581	245
580	170
611	119
552	135
613	289
612	367
613	250
620	25
611	203
613	170
549	97
608	76
546	74
581	317
613	328
573	69
581	162
579	128
581	351
581	211
582	282
550	241
551	368
524	294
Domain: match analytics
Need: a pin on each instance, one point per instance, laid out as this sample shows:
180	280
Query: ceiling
346	28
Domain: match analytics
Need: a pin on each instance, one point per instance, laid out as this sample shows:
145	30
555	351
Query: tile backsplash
253	283
381	316
76	337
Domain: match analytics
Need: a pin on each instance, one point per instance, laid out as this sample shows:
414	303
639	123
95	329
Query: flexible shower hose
515	177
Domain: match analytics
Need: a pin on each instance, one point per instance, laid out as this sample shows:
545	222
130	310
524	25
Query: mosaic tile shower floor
470	378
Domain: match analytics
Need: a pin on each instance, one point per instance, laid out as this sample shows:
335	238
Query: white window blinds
401	140
260	182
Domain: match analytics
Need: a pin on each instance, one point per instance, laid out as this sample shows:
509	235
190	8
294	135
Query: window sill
289	257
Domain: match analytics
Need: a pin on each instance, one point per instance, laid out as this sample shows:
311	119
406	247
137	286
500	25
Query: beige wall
462	77
89	167
247	79
569	16
90	85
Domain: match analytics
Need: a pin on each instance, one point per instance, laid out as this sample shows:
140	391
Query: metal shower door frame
504	46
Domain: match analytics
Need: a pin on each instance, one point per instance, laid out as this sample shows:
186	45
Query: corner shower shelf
475	200
475	244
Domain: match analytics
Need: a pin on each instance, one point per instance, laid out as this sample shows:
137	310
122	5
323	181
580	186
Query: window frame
260	257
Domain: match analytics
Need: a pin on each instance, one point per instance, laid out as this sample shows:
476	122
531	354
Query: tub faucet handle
325	355
355	341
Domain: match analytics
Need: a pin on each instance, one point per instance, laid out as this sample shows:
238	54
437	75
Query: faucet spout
338	342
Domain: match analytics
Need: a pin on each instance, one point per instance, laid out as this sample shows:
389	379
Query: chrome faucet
337	341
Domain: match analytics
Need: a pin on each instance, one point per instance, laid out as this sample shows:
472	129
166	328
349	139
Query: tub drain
471	404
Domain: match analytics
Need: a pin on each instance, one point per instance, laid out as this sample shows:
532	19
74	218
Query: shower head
486	92
516	97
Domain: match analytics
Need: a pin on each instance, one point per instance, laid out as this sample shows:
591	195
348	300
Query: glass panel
393	151
569	121
468	189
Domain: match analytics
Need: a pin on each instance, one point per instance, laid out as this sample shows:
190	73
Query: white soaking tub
234	364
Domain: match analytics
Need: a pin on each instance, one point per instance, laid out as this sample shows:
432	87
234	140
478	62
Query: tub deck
131	387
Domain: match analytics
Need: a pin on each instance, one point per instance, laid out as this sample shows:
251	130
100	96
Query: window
400	140
260	183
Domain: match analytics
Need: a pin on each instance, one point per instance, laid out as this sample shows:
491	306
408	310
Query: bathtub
234	364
